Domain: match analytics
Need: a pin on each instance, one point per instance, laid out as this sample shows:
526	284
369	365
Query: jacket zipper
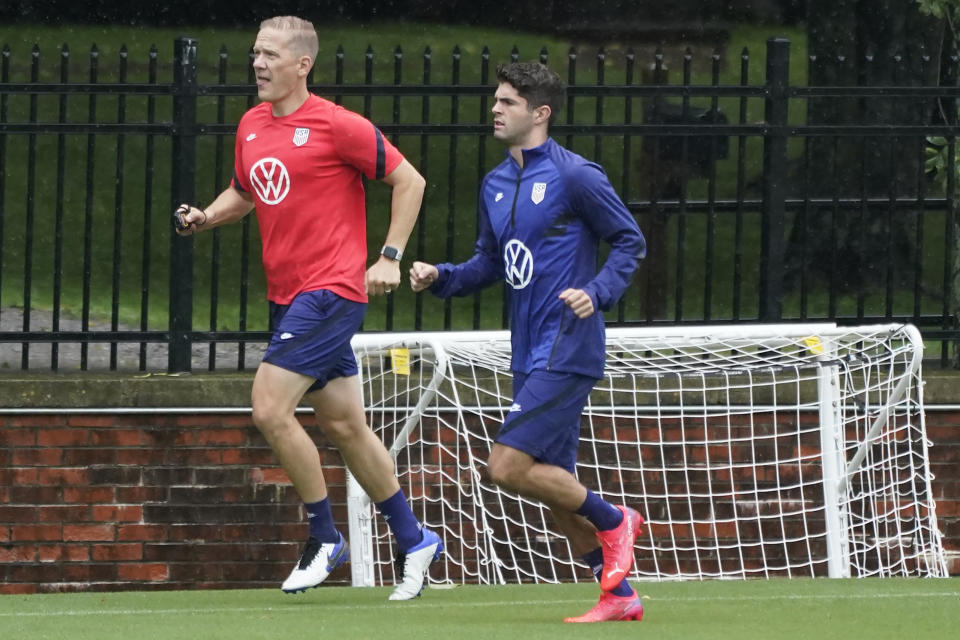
516	193
556	341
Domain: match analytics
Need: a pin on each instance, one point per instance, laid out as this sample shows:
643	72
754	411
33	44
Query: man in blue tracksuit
542	211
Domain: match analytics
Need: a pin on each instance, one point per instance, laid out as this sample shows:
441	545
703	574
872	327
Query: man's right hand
187	219
422	275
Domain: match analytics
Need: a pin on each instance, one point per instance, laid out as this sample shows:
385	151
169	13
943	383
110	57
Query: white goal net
751	451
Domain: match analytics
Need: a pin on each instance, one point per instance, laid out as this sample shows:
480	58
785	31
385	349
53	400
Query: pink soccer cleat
617	545
611	607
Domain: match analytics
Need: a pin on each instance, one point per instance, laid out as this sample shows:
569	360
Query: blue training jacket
539	227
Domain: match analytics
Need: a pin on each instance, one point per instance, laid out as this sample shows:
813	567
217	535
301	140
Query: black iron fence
762	201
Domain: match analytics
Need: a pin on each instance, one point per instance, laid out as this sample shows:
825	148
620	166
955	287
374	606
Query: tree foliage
938	160
948	10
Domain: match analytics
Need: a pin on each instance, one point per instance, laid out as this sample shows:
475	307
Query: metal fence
762	201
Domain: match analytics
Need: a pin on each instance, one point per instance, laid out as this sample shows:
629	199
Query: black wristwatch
391	252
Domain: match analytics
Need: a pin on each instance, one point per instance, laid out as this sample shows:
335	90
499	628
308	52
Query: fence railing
761	202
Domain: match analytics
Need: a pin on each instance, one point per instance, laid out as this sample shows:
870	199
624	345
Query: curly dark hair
536	84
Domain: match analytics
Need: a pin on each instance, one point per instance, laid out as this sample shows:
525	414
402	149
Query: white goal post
750	450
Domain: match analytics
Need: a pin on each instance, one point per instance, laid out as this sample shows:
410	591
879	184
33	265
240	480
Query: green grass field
802	608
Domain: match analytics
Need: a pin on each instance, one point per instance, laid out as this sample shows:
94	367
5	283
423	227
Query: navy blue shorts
311	335
544	420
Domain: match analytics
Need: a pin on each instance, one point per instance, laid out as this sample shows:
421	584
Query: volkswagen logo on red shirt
518	264
270	180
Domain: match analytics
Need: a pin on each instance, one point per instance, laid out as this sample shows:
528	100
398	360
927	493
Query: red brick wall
109	502
114	501
943	430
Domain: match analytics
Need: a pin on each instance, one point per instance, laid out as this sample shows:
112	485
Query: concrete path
98	354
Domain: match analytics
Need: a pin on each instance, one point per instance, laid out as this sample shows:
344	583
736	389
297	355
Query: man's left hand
579	301
383	277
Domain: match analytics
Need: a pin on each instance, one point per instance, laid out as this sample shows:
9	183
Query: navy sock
594	560
400	518
601	514
320	518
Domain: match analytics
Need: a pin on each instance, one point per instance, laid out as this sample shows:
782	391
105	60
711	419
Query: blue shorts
545	418
311	335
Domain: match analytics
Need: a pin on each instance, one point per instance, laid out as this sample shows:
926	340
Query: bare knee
274	398
506	468
339	410
341	430
269	418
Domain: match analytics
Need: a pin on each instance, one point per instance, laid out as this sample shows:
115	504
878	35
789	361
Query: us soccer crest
300	136
539	190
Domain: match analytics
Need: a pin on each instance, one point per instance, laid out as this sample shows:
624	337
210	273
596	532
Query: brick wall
152	501
943	430
108	502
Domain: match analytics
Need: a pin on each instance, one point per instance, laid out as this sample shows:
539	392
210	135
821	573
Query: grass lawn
801	608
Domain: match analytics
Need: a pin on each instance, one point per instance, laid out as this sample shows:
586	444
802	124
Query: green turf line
905	609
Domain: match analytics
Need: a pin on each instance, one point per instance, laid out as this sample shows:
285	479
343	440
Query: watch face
391	252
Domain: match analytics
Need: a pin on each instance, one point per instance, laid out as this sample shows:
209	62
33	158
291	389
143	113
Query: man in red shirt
300	161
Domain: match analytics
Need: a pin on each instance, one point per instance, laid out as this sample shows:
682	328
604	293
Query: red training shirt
304	172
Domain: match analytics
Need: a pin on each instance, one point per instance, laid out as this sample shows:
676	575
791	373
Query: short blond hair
303	36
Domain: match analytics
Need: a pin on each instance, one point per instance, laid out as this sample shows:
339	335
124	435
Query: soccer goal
750	450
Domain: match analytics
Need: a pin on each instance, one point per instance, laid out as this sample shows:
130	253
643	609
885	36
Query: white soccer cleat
316	563
414	564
